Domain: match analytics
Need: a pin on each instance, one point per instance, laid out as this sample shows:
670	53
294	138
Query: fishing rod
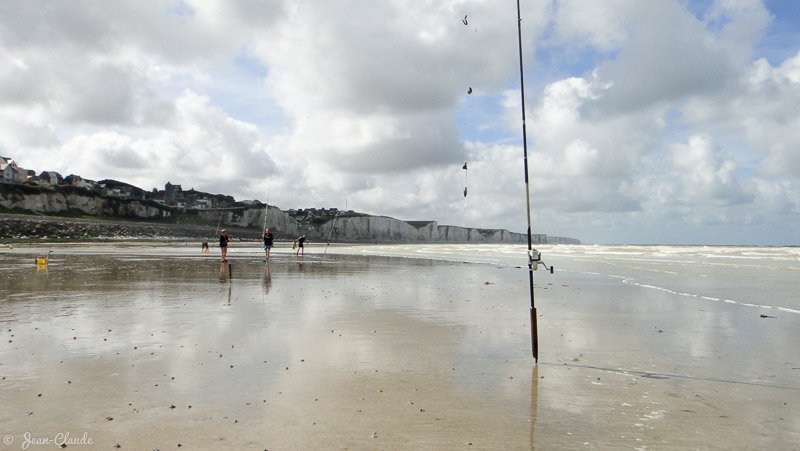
534	256
219	223
269	187
331	232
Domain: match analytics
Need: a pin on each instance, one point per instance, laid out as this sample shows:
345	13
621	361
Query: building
172	194
116	188
51	177
80	182
5	162
11	173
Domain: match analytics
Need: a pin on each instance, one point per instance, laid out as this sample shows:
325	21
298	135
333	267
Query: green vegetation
189	217
488	232
419	224
35	188
13	211
69	189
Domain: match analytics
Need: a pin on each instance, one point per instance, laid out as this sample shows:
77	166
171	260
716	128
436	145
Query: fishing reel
535	259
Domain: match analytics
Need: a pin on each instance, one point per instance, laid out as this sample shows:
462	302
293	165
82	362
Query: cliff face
250	220
54	202
383	229
277	220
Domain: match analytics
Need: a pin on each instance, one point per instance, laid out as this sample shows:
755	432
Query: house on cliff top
51	177
5	162
80	182
174	195
116	188
11	173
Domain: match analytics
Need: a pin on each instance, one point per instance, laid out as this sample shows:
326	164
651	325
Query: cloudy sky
659	121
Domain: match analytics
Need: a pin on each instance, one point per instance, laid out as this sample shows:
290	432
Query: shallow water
756	277
356	350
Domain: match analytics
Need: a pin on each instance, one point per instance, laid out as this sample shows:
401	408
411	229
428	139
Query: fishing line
269	188
331	232
219	223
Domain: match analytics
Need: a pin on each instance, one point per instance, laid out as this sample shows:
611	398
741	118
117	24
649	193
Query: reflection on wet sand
223	272
534	401
375	362
225	275
266	279
373	352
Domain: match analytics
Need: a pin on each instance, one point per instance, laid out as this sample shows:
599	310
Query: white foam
710	298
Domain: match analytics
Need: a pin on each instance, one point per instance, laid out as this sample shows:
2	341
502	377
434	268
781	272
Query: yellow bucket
42	261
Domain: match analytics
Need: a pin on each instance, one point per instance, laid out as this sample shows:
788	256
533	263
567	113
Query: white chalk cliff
349	228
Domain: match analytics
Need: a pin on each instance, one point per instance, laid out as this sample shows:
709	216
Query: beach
159	346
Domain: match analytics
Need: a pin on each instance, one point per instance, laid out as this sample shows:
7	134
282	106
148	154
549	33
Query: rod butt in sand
534	335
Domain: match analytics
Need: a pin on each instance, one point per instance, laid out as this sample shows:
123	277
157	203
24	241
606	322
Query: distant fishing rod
534	257
219	223
330	232
269	187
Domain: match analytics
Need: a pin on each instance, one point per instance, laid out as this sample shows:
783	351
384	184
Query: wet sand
152	347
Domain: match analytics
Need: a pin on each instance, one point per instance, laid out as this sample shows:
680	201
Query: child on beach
223	244
268	239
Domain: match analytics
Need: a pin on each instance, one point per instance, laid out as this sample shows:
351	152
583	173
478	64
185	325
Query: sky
647	122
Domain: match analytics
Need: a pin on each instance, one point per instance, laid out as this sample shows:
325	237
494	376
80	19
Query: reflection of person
266	279
223	244
268	239
225	275
300	242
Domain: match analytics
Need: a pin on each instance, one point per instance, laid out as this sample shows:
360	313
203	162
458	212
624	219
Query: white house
11	173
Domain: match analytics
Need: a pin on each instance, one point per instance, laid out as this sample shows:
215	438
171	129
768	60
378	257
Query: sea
762	278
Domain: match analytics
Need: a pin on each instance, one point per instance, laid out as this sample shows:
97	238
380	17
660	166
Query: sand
160	346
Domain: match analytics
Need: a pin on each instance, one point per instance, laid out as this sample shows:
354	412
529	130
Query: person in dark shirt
223	244
300	242
268	240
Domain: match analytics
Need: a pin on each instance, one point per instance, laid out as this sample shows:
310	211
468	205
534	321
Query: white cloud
654	116
376	91
706	175
591	23
202	140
